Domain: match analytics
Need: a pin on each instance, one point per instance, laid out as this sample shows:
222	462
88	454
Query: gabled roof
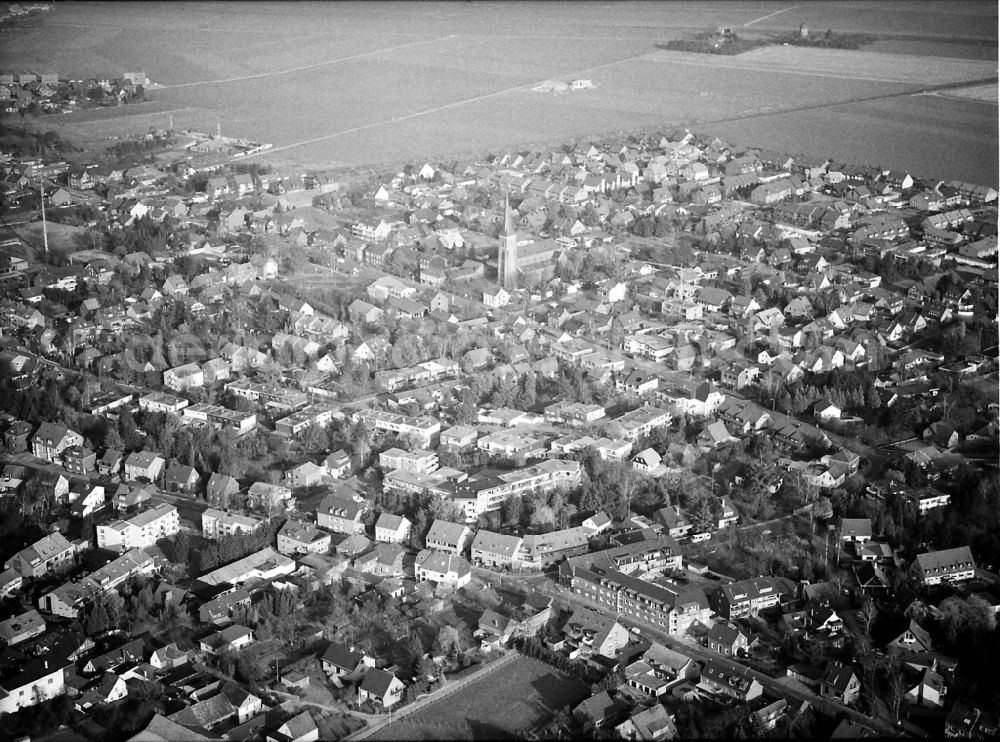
342	656
445	532
838	676
377	682
496	543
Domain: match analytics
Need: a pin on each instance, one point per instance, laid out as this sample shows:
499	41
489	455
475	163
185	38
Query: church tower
507	255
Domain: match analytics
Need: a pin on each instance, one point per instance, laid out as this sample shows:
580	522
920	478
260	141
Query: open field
62	237
925	134
347	84
502	705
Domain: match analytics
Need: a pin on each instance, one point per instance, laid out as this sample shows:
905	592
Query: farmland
342	86
502	705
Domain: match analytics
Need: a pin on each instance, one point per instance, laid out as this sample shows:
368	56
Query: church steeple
508	219
507	254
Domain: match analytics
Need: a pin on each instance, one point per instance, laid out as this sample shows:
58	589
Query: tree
448	641
129	433
527	391
512	510
96	620
504	391
897	687
867	615
541	516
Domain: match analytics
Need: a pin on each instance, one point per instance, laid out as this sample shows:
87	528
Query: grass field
504	705
345	84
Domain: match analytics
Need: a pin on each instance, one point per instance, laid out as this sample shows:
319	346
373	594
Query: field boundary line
770	68
302	68
769	15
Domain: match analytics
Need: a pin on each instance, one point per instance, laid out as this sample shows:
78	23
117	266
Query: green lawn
504	704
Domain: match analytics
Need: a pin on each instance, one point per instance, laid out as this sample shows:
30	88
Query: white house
497	299
181	378
392	529
446	569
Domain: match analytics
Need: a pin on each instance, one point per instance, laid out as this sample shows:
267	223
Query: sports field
503	705
349	83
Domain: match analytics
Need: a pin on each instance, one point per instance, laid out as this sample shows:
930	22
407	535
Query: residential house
442	568
79	460
385	560
592	633
728	640
51	440
230	639
729	681
840	683
31	682
342	513
495	549
600	710
220	489
141	530
650	724
182	378
266	497
856	530
447	537
182	479
381	686
392	529
300	537
750	597
22	627
929	692
144	465
300	728
947	565
305	474
50	554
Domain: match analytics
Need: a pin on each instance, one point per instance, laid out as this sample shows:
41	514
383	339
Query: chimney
46	664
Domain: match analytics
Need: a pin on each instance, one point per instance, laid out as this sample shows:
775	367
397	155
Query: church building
521	261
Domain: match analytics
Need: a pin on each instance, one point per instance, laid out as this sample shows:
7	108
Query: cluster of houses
47	93
674	343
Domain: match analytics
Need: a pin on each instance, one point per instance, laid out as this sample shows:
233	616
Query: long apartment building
68	598
750	597
673	611
606	448
139	531
163	402
487	490
319	415
271	395
424	462
947	565
422	373
639	423
220	524
52	553
424	431
574	413
223	417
